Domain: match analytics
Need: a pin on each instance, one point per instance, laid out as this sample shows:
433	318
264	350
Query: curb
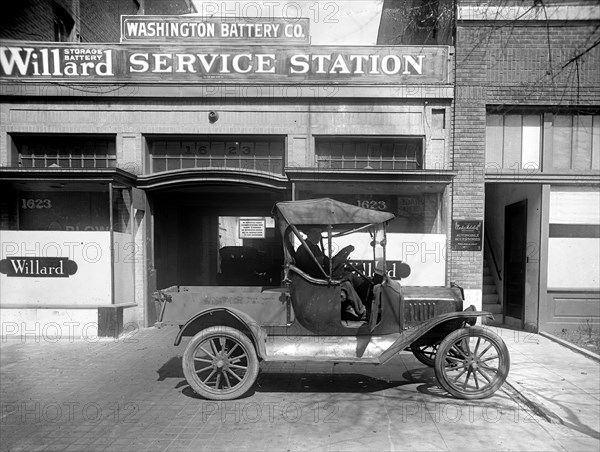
573	347
529	400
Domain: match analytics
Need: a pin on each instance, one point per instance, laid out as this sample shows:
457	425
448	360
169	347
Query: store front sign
38	267
211	30
467	235
208	64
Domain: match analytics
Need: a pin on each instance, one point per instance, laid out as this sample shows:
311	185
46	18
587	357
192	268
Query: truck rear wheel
220	363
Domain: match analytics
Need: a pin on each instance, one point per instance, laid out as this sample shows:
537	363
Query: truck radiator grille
419	311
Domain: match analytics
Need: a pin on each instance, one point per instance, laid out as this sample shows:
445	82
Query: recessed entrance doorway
213	235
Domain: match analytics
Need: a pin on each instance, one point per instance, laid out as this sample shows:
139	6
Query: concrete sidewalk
559	384
130	394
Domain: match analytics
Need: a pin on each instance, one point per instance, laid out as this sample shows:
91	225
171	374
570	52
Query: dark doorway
193	241
515	255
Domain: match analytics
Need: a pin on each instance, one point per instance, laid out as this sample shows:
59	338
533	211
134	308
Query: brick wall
511	63
468	159
31	20
96	20
531	63
535	62
101	19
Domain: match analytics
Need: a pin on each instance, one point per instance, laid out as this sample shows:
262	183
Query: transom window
542	141
65	151
369	152
252	152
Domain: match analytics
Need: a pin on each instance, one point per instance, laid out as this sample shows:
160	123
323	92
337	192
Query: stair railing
491	250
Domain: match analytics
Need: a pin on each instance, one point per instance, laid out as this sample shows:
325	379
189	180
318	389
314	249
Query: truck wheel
472	363
220	363
425	353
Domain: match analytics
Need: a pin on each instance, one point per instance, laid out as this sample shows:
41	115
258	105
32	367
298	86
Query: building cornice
245	91
443	177
67	175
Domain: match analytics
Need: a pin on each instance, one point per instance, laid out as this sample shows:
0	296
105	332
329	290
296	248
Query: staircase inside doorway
491	299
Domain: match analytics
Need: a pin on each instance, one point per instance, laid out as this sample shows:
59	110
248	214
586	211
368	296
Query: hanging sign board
212	30
467	235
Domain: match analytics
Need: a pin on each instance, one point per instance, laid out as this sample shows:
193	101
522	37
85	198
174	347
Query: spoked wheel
220	363
425	353
472	363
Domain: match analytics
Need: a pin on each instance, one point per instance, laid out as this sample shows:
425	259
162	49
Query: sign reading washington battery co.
281	64
203	30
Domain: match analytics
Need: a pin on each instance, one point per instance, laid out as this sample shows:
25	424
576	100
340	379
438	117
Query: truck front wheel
472	363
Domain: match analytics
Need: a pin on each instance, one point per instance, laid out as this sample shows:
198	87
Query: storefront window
369	153
523	141
415	212
59	246
63	210
574	238
64	151
121	207
65	207
244	152
417	236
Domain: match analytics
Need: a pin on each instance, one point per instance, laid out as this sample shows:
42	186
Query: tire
220	363
472	363
425	353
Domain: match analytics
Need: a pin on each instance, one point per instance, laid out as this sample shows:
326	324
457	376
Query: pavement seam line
389	424
519	393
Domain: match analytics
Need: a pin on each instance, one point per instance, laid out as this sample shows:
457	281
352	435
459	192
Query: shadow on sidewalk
329	382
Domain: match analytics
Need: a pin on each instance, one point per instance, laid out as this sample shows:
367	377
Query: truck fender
469	315
223	316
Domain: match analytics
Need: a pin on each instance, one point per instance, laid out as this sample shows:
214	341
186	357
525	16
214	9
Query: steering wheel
343	254
341	257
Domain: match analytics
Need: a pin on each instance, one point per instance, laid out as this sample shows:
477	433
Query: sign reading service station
222	64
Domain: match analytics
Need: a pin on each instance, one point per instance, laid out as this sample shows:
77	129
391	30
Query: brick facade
468	154
94	20
514	57
535	64
101	20
31	20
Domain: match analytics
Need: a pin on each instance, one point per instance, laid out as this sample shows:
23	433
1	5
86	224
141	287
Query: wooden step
489	289
494	308
491	298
